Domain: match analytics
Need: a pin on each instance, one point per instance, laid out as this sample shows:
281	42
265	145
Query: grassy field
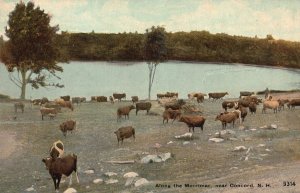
27	140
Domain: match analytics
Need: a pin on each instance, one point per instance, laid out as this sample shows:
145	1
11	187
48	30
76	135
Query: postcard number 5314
289	183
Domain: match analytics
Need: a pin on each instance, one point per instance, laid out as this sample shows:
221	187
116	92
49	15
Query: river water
87	79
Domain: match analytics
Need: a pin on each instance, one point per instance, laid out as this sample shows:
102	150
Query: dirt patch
8	144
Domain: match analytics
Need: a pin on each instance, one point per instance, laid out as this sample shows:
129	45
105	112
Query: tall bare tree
155	51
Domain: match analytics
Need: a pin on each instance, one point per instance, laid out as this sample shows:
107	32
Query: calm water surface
103	78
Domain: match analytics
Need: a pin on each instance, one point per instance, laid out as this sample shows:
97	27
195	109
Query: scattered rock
89	171
273	126
187	136
109	174
268	150
186	142
170	142
70	190
234	168
130	175
261	145
130	181
253	129
217	140
240	148
165	156
270	127
150	159
263	155
111	181
156	158
141	182
97	181
233	139
30	189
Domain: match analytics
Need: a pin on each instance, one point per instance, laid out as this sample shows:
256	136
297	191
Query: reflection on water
103	78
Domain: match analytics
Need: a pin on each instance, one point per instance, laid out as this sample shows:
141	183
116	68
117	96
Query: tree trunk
24	82
150	82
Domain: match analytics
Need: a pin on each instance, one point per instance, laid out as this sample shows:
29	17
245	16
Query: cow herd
173	110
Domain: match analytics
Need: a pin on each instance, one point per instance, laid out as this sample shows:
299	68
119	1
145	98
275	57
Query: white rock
274	126
217	140
70	190
263	155
111	181
97	181
30	189
233	139
141	182
165	156
261	145
186	143
89	171
170	142
130	181
264	127
234	168
109	174
151	159
240	148
130	175
253	129
184	136
268	150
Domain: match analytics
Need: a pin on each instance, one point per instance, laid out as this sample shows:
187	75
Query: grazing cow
175	105
160	96
101	99
125	132
245	93
227	117
171	95
243	111
252	107
53	105
229	104
171	114
199	96
134	99
46	111
124	111
61	166
62	103
281	103
65	98
193	121
93	98
270	105
142	106
217	95
76	100
69	125
119	96
292	103
57	149
19	105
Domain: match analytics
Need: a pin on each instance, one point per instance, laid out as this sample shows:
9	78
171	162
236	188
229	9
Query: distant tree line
199	46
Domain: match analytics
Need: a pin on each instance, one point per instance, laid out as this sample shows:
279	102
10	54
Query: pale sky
281	18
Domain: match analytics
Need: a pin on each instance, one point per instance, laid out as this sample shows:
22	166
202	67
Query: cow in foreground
125	132
124	111
61	166
142	106
193	121
66	126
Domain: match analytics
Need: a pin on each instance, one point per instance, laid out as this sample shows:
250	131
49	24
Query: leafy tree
30	50
155	51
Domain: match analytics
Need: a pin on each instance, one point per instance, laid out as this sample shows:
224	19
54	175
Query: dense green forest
199	46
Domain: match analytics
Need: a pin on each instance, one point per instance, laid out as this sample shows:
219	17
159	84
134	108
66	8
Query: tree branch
14	80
